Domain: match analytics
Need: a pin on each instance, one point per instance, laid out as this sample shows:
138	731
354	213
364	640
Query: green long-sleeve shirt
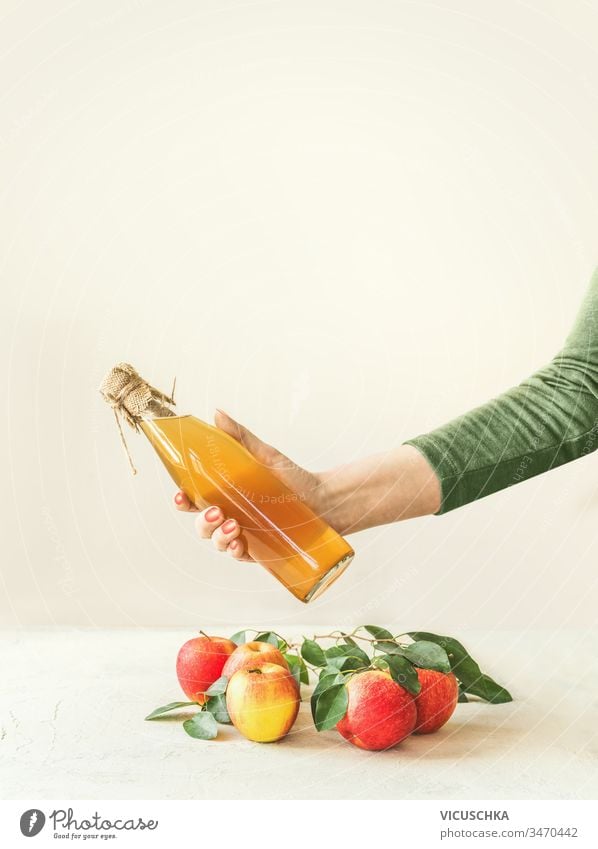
549	419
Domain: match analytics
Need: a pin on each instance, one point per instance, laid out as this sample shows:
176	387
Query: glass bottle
282	533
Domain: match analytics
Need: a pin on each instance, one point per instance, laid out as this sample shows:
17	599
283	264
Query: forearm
383	488
549	419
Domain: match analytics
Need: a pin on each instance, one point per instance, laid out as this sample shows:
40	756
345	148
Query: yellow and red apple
263	702
200	662
252	655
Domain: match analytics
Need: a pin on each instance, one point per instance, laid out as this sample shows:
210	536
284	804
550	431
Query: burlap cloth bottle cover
131	397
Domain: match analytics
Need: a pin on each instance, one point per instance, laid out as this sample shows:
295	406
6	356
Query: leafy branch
204	725
400	655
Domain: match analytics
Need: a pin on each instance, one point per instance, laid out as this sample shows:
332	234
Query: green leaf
462	696
403	672
218	687
216	705
428	655
312	653
467	671
330	672
346	649
337	663
378	633
486	688
346	657
239	638
337	651
296	673
298	668
349	641
326	681
172	706
331	706
203	726
329	669
389	647
360	657
270	637
380	663
294	666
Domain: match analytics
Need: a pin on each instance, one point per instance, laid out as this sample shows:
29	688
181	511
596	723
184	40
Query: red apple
380	713
436	700
251	655
200	662
263	702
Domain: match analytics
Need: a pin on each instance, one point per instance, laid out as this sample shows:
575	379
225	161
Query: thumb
263	452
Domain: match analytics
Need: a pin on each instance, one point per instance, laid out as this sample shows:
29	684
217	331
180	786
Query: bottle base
329	578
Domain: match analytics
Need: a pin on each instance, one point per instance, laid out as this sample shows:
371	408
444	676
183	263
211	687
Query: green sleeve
549	419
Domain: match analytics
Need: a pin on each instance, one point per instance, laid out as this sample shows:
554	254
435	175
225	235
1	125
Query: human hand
376	490
226	533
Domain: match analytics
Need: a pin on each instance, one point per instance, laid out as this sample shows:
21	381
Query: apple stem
203	634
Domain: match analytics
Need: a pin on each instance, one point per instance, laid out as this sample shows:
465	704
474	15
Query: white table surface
73	702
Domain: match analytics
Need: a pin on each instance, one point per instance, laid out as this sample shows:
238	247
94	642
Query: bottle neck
157	409
134	399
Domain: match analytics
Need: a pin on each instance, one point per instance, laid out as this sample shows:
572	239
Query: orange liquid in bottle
283	534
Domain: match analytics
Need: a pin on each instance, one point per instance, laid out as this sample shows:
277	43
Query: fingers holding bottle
211	523
183	503
224	534
228	537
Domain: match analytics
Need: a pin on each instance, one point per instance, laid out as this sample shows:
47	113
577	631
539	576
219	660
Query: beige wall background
345	223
